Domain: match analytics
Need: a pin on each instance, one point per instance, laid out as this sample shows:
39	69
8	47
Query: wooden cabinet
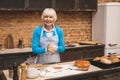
75	5
65	5
12	4
87	52
7	60
59	5
39	4
87	5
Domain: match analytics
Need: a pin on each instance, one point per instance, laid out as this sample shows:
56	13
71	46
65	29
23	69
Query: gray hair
49	11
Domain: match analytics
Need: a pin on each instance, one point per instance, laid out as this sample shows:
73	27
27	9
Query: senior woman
48	39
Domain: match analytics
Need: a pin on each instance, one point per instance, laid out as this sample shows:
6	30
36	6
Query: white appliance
106	26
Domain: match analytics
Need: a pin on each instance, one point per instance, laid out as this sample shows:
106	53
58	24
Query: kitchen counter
26	50
74	74
60	74
23	50
15	50
78	46
19	55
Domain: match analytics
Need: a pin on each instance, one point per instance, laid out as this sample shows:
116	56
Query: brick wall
76	25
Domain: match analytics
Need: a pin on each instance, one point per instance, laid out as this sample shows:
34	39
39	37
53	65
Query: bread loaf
114	59
82	64
107	59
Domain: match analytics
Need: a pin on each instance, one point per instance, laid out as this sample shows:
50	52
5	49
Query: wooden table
73	74
63	75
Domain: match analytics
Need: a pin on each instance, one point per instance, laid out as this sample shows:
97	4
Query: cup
10	73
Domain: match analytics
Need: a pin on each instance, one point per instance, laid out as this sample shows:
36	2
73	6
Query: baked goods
107	59
57	67
114	59
82	64
97	59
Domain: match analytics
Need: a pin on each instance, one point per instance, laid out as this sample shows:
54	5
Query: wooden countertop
25	50
15	50
60	74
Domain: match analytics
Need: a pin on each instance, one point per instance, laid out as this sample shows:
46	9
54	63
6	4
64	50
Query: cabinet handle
112	53
112	45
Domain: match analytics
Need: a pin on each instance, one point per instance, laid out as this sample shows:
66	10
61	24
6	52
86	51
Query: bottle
15	72
23	71
21	43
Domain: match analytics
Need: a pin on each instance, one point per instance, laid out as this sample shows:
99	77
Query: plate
57	68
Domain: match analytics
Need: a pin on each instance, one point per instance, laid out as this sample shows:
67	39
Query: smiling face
49	17
48	20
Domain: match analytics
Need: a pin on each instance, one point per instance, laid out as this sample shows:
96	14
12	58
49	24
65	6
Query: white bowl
32	73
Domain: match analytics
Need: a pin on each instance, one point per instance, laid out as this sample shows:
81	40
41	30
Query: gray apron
48	57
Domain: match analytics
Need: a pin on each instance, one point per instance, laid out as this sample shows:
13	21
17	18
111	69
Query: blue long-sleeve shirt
42	50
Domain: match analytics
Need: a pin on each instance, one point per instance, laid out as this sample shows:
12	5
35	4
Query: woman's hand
51	48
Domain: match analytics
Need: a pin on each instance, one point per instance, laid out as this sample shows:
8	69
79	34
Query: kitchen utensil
9	41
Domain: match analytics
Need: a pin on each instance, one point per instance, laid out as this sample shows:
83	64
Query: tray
103	65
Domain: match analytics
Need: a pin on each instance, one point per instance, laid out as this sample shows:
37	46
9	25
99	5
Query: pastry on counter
57	67
107	59
97	58
114	59
38	66
82	64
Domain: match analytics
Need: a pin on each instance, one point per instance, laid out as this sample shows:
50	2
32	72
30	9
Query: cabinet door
65	5
87	5
39	4
12	4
